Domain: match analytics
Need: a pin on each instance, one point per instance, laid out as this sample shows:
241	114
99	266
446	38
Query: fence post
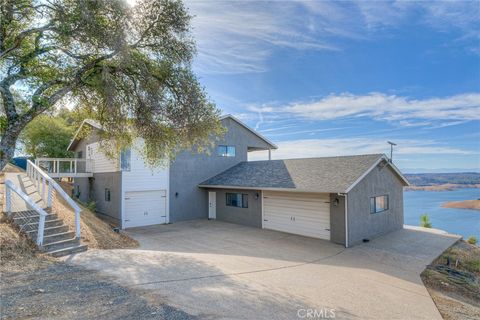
77	223
8	200
49	195
43	189
41	228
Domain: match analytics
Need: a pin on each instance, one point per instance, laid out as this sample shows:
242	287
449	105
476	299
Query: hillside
432	179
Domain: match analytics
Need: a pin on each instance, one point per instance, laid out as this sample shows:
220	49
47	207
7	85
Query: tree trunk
8	143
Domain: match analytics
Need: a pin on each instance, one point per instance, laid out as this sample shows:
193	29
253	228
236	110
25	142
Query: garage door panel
311	213
144	208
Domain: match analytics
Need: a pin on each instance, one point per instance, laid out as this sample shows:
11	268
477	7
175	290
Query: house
342	199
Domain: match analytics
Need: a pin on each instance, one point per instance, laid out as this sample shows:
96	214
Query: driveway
219	270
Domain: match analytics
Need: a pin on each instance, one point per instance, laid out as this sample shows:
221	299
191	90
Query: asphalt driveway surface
218	270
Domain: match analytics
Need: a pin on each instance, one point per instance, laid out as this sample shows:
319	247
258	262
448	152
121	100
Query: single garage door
306	214
143	208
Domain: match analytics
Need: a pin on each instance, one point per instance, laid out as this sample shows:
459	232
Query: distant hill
432	179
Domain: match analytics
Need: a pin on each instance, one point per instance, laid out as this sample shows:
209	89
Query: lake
459	221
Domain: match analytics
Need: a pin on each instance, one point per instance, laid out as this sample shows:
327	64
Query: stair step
52	246
33	218
48	224
48	231
68	250
58	236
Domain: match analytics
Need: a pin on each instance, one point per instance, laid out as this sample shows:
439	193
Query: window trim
374	209
243	200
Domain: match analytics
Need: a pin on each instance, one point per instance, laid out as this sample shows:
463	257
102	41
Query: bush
91	206
472	240
425	221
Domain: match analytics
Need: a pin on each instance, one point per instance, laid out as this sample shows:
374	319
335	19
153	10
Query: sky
323	78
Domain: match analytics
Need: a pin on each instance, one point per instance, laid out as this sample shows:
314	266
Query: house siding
187	200
337	219
251	216
112	181
361	223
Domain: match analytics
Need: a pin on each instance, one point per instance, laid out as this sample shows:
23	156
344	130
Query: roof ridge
329	157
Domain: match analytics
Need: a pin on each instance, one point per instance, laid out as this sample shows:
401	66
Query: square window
378	204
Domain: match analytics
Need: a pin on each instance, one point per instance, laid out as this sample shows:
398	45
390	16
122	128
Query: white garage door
143	208
299	213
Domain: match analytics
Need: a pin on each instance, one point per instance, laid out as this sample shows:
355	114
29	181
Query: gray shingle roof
332	174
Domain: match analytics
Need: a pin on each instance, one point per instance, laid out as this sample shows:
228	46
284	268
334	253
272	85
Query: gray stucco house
342	199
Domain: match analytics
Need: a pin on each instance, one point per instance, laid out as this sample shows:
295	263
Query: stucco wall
187	201
113	181
251	216
361	223
337	219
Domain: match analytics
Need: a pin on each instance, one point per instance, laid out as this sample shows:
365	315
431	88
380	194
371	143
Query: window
378	204
226	151
125	157
107	194
237	200
79	154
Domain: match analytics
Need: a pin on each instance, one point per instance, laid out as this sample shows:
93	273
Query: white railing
45	186
65	166
9	187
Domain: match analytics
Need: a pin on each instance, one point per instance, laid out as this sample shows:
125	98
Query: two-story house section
133	194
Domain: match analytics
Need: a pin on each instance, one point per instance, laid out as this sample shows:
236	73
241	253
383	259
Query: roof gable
269	143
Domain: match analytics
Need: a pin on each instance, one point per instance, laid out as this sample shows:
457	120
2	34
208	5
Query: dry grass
453	281
466	204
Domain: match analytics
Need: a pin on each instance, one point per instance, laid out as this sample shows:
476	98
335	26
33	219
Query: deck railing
46	186
11	187
65	167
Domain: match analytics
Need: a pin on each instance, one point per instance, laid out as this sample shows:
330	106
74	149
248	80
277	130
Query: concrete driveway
224	271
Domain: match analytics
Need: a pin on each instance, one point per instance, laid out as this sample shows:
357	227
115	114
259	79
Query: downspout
346	218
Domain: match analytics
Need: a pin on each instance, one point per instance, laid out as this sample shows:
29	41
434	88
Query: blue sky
332	78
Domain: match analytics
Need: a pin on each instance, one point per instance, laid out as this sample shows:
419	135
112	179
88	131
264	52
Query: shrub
425	221
91	206
472	240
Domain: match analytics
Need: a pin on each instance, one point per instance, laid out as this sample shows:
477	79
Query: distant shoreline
442	187
466	204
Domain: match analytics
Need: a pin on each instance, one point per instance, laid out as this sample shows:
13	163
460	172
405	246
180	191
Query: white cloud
463	107
240	36
309	148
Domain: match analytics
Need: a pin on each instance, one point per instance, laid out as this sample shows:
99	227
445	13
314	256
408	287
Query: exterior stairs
58	241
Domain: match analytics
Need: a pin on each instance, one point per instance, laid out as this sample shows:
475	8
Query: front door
212	205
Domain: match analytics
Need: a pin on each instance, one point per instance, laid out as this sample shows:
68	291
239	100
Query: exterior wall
82	185
251	216
143	178
100	162
112	181
337	219
187	201
361	223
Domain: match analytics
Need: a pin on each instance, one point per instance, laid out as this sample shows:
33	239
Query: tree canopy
130	66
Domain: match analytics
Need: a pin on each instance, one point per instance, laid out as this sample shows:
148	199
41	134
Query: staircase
28	202
58	241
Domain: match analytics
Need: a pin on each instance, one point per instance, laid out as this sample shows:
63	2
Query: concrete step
60	244
58	236
48	224
23	219
48	231
68	250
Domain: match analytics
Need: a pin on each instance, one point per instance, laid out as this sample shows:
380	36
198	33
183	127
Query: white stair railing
45	186
9	187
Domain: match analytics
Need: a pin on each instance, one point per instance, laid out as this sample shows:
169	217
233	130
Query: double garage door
143	208
299	213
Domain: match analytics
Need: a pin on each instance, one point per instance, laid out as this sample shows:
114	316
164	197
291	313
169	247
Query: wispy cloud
306	148
404	111
240	36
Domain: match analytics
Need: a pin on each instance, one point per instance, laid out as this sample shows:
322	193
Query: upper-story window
125	159
79	154
226	151
378	204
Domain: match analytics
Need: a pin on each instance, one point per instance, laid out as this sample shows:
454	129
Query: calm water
460	221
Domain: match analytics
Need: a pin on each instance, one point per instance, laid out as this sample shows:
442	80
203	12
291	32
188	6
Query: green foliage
425	221
472	240
91	205
47	136
128	67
